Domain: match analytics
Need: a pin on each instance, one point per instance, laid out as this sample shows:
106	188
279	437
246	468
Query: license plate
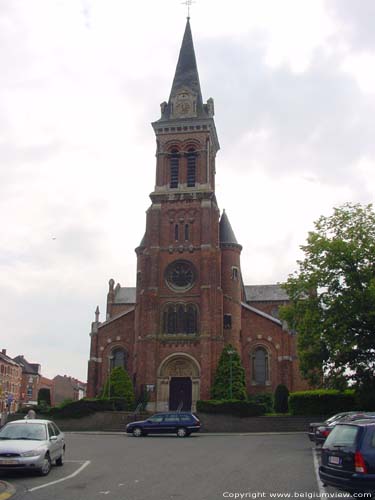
8	462
334	460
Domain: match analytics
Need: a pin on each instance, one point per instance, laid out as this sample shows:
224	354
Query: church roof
264	293
226	233
125	295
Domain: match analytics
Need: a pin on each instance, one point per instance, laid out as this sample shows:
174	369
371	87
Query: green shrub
231	407
229	382
263	398
365	395
85	407
321	402
119	386
281	399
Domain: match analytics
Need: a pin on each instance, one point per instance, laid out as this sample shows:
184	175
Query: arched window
186	232
174	169
180	318
118	357
176	235
191	167
260	366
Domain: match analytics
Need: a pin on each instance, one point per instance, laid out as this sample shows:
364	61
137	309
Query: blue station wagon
348	457
182	424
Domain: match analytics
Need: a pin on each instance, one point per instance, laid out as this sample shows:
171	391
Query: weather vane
188	4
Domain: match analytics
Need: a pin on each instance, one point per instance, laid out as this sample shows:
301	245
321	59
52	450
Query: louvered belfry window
191	168
174	169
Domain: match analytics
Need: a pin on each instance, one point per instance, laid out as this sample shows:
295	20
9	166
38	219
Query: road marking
83	466
322	490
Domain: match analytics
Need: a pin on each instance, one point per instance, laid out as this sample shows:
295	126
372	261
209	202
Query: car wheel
46	467
60	460
137	432
181	432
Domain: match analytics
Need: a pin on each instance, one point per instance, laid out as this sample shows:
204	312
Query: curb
7	490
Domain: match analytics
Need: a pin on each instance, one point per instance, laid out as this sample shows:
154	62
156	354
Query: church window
174	169
176	236
180	275
180	318
260	366
227	321
118	357
191	168
235	273
186	232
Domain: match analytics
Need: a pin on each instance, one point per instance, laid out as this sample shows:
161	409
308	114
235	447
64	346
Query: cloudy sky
80	82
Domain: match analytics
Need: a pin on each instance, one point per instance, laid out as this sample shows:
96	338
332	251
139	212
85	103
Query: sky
80	83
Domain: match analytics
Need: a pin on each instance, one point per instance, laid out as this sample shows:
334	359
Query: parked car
31	445
348	457
323	431
182	424
335	418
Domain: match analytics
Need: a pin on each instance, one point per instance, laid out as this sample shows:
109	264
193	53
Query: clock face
180	275
183	107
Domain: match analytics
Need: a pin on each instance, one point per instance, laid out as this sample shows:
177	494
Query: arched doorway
178	384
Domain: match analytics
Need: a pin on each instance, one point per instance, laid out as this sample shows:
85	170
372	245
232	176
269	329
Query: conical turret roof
226	233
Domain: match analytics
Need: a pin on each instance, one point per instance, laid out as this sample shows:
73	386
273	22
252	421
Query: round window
180	275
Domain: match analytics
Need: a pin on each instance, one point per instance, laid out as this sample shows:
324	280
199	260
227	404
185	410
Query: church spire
186	75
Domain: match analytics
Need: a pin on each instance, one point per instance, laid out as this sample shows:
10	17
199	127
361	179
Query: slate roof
263	293
186	74
32	368
226	233
9	360
125	295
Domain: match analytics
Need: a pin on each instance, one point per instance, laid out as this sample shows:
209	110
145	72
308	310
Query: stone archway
178	367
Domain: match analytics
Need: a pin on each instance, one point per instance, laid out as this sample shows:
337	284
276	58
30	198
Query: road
201	467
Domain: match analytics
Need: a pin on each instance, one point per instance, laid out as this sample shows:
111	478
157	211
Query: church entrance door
180	394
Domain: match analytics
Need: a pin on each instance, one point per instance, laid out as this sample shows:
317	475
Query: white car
31	445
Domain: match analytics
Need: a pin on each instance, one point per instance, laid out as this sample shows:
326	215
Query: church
189	301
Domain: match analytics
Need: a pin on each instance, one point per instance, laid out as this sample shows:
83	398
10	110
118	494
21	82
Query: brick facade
189	301
10	383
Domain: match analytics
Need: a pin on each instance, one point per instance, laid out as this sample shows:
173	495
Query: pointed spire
97	313
186	71
226	233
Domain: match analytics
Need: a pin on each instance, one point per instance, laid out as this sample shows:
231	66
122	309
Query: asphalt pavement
201	467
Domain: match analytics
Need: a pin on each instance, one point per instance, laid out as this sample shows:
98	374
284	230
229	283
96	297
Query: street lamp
230	353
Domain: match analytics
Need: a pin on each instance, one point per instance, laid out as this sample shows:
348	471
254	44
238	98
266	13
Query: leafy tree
119	385
229	380
281	399
44	397
333	298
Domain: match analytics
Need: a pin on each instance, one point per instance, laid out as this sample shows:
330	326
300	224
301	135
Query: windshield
342	435
24	431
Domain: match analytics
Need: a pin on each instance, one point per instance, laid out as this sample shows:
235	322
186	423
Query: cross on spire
188	4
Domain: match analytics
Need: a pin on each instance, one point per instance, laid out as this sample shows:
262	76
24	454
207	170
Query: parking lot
201	467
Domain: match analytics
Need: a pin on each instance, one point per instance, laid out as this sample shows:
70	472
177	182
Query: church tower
190	300
179	297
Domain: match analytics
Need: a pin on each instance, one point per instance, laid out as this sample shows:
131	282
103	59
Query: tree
229	380
119	385
333	298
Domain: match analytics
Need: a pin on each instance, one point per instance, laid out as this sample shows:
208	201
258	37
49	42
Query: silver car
31	445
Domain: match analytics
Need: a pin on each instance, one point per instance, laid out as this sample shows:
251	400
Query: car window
172	417
24	431
51	431
185	418
342	435
56	429
156	418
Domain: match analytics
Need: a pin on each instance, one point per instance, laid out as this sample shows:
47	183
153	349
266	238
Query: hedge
84	407
231	407
321	402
